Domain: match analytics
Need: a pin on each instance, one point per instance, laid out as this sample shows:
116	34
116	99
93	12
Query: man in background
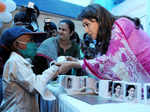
50	28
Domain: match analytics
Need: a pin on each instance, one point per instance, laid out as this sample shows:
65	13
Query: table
74	104
79	103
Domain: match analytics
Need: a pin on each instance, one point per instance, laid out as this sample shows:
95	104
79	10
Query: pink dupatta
120	62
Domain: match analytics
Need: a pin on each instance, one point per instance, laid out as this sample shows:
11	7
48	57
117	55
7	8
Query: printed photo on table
133	92
117	90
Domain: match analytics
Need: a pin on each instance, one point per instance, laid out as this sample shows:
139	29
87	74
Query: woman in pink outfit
121	41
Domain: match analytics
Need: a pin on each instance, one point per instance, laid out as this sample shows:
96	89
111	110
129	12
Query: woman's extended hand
66	66
70	58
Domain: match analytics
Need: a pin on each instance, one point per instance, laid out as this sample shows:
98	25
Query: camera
27	16
88	47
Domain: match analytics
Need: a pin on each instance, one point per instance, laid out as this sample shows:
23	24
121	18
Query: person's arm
104	66
24	76
96	66
67	65
116	64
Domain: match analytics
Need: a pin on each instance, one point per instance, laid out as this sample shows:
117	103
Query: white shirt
20	85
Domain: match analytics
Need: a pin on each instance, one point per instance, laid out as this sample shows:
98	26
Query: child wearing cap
20	83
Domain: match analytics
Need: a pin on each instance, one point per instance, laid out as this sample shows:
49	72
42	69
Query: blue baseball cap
11	34
20	17
50	25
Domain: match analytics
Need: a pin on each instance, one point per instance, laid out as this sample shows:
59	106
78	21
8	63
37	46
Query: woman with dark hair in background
75	37
118	39
62	45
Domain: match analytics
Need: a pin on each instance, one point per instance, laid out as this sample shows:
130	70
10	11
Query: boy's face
25	46
21	42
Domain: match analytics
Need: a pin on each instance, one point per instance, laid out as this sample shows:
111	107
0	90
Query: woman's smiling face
64	31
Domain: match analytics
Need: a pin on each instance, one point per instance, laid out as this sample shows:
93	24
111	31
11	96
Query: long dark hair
105	20
75	37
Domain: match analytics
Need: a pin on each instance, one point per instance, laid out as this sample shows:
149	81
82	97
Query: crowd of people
110	47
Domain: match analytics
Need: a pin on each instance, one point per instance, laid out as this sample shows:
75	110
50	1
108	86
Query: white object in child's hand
54	68
61	59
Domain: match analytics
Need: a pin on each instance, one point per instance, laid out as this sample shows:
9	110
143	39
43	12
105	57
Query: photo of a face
69	83
131	93
118	91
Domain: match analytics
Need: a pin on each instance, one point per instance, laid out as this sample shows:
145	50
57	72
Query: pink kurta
127	57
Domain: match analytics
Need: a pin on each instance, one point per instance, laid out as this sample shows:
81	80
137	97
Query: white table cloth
71	104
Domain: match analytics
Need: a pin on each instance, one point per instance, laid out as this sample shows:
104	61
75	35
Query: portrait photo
69	83
117	90
132	92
